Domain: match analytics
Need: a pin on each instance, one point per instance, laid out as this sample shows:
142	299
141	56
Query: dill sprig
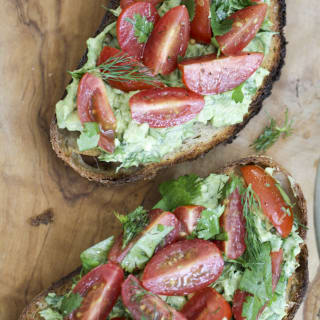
272	133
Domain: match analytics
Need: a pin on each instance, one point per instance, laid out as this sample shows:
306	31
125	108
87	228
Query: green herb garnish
142	27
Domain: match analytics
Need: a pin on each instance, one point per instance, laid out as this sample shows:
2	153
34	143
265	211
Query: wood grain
48	213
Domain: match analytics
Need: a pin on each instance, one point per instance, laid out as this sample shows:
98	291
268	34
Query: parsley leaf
70	303
191	6
133	223
142	27
119	311
49	314
53	300
89	137
237	94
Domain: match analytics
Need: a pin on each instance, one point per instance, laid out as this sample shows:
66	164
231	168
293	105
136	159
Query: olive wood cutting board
48	213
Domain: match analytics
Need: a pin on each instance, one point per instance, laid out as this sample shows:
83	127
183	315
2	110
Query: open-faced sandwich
165	82
229	245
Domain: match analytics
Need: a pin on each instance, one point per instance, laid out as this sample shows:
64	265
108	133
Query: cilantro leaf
89	137
191	6
237	94
219	27
142	27
133	223
119	311
49	314
96	255
70	303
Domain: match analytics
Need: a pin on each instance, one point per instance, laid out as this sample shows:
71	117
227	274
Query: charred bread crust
106	172
298	282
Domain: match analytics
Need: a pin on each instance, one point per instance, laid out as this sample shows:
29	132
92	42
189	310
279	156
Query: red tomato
126	30
93	106
167	107
233	223
117	253
207	304
239	299
209	75
100	289
272	203
127	3
246	24
109	52
276	261
189	216
145	305
169	39
118	319
200	25
183	267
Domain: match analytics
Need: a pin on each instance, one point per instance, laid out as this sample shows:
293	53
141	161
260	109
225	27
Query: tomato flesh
211	75
128	42
168	40
200	25
207	304
100	289
145	305
167	107
272	203
239	299
276	261
93	106
127	3
183	267
233	223
246	24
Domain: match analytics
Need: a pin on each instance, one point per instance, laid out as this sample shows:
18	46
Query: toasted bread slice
88	165
297	283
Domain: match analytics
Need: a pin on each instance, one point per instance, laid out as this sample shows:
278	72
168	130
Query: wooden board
39	41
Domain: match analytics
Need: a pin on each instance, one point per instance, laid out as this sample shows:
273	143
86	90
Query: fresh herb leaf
53	300
96	255
142	27
234	182
176	302
272	133
191	6
49	314
224	8
119	311
133	223
237	94
70	303
89	137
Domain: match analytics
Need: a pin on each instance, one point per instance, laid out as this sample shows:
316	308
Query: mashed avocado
137	143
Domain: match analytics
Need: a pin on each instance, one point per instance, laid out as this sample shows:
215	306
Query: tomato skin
246	24
127	3
207	304
126	31
189	216
168	40
100	289
276	262
167	107
93	106
211	75
239	299
183	267
126	86
149	306
272	203
233	223
200	25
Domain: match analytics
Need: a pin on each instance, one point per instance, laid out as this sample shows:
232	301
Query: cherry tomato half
200	25
167	107
145	305
207	304
209	75
246	24
109	52
93	106
126	30
183	267
100	289
127	3
168	40
272	203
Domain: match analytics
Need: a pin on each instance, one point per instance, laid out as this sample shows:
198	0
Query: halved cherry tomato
183	267
127	3
100	289
209	75
145	305
109	52
276	261
239	299
167	107
126	30
117	253
168	40
93	106
207	304
189	216
272	203
246	24
200	25
233	223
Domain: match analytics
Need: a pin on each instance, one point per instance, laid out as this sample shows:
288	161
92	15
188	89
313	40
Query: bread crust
298	282
63	141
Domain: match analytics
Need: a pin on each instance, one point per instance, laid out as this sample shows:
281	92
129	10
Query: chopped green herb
191	6
70	303
237	94
142	27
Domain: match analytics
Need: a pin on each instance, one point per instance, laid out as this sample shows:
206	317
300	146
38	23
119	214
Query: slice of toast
298	282
207	137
